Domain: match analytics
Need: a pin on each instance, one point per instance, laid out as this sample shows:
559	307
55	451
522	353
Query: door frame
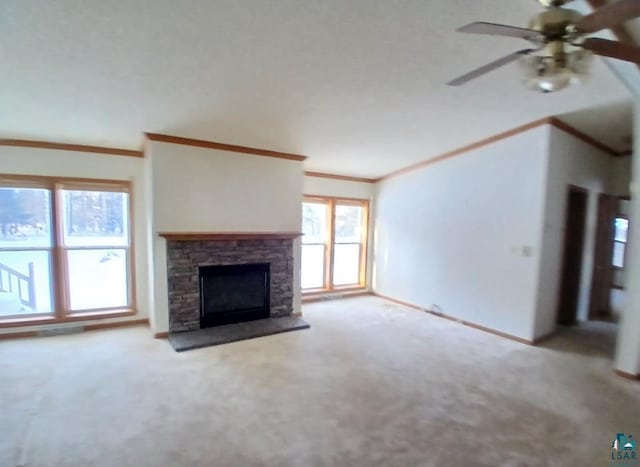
602	273
565	265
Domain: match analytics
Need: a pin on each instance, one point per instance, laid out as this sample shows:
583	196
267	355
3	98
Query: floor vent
333	296
61	331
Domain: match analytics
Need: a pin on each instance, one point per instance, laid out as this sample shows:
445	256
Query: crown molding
222	146
24	143
467	148
561	125
552	121
340	177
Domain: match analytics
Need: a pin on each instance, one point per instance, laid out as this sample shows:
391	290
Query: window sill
346	288
70	318
341	292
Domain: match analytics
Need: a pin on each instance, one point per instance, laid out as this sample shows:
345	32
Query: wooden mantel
229	235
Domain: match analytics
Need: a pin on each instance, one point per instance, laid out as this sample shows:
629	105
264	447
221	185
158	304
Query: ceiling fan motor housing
559	63
556	24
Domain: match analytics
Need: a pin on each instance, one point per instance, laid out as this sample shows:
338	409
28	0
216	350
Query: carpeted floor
370	384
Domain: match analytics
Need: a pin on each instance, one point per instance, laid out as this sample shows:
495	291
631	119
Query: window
315	239
621	230
65	248
26	245
333	243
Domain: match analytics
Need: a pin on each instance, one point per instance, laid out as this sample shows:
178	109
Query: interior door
572	257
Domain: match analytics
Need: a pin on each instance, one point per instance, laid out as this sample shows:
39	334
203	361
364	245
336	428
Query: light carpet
370	384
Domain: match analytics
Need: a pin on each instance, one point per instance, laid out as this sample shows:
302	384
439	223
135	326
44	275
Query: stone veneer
184	257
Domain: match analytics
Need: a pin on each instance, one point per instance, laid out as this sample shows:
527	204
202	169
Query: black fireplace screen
234	293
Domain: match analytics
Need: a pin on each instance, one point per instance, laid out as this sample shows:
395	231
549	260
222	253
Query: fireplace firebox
234	293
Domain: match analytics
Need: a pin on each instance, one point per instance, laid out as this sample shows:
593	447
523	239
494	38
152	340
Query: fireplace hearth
234	293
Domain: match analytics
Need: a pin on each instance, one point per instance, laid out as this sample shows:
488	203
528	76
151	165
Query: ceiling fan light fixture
552	3
544	74
549	74
579	63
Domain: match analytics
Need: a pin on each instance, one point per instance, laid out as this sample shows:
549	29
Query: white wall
628	345
617	302
465	234
49	162
620	186
571	162
147	219
207	190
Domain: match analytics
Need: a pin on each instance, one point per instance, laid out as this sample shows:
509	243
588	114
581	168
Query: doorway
577	199
607	288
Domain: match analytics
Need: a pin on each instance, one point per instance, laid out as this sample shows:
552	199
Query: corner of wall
628	345
540	325
151	242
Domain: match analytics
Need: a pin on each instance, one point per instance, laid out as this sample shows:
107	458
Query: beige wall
208	190
337	188
621	176
199	189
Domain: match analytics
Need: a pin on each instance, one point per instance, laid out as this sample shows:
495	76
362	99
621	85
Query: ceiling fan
561	54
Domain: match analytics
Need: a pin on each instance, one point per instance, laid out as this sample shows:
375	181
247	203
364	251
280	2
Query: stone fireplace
191	254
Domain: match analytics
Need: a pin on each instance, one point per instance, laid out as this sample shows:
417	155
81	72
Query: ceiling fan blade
614	49
489	67
608	16
502	30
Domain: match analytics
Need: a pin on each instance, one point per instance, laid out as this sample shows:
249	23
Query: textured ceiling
357	85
